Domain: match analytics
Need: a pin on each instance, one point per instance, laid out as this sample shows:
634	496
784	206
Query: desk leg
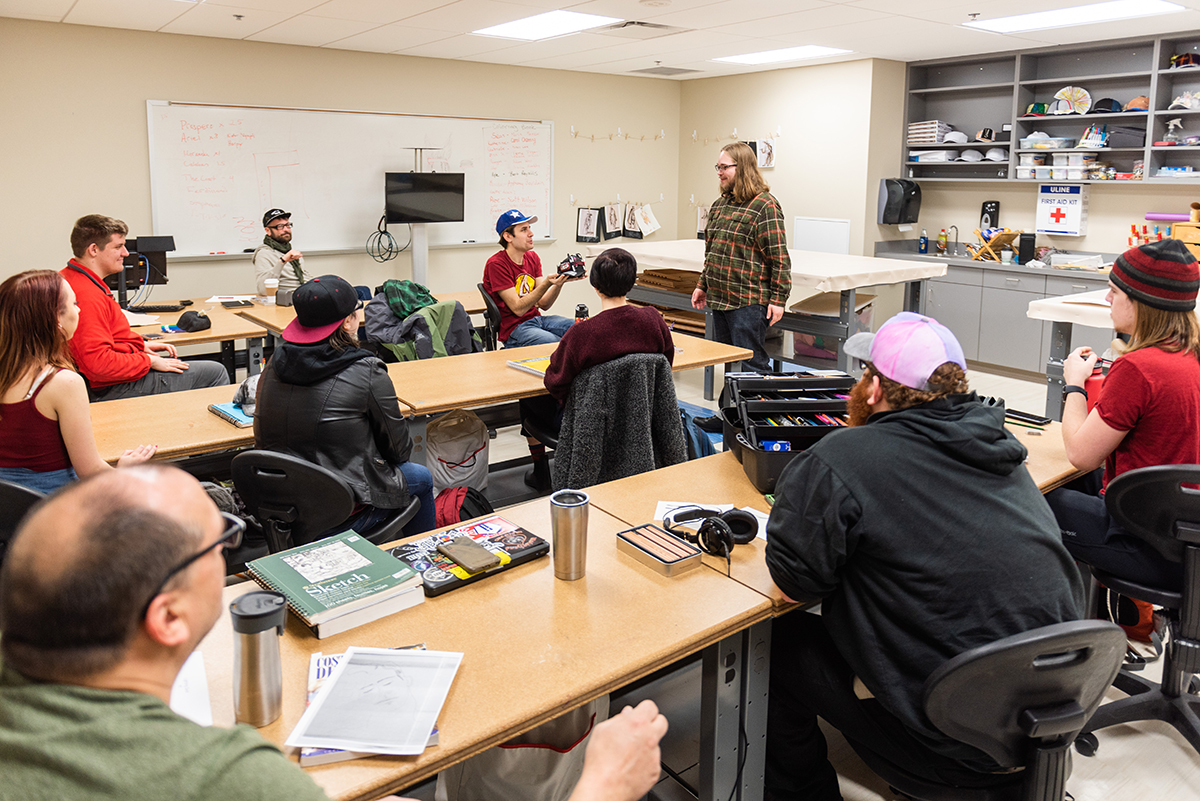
914	296
228	361
254	355
734	682
1060	348
846	318
416	430
709	372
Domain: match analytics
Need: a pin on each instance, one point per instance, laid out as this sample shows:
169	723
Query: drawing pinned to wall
765	151
701	221
588	229
612	220
646	221
630	226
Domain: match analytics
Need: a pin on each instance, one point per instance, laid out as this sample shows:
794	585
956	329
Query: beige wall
73	135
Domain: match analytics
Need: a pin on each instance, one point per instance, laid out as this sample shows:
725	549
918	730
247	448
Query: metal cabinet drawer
1059	285
1015	281
971	276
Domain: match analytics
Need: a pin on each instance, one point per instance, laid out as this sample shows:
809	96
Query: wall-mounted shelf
994	91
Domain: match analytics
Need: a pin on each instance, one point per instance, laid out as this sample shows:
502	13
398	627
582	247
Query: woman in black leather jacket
324	399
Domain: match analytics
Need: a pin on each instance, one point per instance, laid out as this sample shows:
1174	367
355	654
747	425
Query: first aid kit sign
1062	209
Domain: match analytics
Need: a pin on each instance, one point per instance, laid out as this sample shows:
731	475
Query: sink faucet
955	252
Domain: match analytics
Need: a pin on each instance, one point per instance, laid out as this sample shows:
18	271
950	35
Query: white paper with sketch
380	701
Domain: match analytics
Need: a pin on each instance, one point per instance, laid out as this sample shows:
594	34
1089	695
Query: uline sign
1062	209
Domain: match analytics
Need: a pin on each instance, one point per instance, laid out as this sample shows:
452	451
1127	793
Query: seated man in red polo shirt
116	362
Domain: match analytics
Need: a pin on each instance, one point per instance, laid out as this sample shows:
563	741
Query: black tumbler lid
258	611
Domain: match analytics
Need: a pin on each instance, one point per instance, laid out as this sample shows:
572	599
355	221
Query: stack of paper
929	132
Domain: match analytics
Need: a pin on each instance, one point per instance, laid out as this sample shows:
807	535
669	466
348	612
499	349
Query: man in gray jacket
276	257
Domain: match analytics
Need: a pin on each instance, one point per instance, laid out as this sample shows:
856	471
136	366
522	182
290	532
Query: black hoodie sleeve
388	426
810	533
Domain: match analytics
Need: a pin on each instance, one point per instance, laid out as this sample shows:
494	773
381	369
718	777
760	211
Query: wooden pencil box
660	550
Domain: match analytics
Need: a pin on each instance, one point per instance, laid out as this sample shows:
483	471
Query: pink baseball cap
908	349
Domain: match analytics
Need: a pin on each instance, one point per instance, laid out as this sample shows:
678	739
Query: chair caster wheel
1194	685
1087	745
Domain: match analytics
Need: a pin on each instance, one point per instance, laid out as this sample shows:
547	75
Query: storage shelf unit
994	90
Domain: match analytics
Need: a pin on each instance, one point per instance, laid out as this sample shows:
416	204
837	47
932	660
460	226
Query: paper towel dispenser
899	201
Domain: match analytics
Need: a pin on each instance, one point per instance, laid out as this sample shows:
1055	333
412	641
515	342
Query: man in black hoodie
324	399
923	535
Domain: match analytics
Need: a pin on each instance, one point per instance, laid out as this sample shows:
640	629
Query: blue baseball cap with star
510	218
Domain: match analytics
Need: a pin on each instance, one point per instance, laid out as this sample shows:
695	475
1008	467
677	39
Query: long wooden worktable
478	379
227	327
534	648
276	318
180	424
721	479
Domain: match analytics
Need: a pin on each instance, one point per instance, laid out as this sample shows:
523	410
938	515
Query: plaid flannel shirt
746	259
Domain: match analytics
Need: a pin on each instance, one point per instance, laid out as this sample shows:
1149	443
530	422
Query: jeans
809	677
200	373
541	330
745	328
1095	539
420	486
44	483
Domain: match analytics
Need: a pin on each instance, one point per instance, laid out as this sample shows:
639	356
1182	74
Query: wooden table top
276	318
226	325
179	423
721	479
479	379
534	647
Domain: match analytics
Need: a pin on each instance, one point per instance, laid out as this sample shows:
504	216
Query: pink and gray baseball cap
908	349
322	304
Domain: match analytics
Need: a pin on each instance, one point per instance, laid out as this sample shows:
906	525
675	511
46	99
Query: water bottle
581	312
257	670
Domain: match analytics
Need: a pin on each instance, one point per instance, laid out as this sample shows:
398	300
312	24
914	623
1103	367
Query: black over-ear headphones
719	532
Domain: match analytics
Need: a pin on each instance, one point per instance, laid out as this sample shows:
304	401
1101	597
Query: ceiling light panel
546	26
802	53
1077	15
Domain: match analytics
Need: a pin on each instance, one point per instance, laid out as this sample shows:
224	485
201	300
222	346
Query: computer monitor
146	262
424	197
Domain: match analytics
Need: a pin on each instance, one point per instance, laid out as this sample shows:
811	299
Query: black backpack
456	504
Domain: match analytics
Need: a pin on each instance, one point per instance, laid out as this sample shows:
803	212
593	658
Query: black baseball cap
321	306
275	214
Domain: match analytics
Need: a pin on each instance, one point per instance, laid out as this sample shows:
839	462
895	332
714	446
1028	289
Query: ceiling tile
221	21
463	46
471	15
635	10
562	45
45	10
731	12
285	7
378	11
804	21
310	31
138	15
389	38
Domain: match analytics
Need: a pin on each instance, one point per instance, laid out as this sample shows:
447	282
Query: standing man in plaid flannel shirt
747	271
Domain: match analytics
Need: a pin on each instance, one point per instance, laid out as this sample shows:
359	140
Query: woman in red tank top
45	426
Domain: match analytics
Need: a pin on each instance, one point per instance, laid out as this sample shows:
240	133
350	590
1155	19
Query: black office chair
15	501
1152	503
1021	700
297	501
491	320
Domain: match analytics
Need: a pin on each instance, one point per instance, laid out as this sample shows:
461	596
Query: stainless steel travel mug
568	527
257	670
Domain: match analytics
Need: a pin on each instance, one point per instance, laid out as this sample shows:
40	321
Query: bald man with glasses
105	591
276	257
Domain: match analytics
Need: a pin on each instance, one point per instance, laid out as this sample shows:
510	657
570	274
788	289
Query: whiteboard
214	170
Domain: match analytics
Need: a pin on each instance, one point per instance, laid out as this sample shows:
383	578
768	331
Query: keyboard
156	308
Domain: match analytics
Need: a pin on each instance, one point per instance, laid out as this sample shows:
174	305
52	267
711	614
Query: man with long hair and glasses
106	590
747	273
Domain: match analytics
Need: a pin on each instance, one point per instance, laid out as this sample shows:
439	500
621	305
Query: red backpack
456	504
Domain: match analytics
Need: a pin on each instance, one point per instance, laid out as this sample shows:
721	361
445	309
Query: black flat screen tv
424	197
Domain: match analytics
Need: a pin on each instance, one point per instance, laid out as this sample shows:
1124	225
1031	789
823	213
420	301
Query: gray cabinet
1007	336
956	306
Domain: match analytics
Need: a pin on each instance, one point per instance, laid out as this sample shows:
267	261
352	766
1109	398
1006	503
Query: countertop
905	249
